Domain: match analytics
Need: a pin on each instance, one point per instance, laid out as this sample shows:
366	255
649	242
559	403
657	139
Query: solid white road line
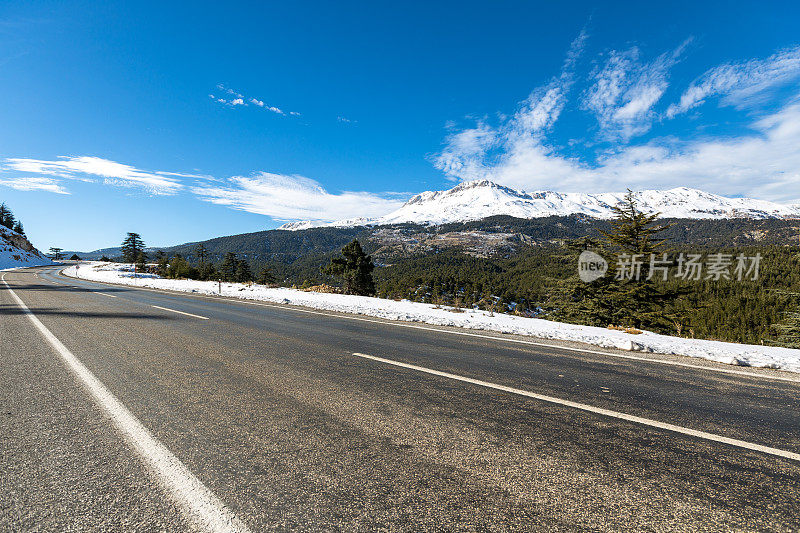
592	409
179	312
388	322
104	294
197	503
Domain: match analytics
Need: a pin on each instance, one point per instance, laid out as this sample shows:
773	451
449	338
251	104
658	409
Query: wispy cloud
765	164
471	153
625	90
34	184
289	198
229	97
737	83
763	161
88	168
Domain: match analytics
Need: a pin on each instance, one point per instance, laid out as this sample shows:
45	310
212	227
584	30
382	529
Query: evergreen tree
201	253
180	268
636	300
56	253
105	258
243	274
205	270
228	267
6	217
632	299
18	228
132	248
141	259
788	331
266	277
74	257
163	264
354	268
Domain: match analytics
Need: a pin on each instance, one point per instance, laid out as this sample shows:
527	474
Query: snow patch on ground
724	352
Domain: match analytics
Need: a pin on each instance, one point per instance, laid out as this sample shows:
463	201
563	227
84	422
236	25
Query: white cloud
764	164
737	83
238	99
113	173
763	161
34	184
471	153
288	198
625	91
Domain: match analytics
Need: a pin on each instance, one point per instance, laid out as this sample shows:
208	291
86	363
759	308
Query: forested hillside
529	266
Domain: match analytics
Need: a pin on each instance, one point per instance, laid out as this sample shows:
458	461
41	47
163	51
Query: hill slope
16	251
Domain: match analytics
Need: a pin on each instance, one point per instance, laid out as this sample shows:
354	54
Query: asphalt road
266	411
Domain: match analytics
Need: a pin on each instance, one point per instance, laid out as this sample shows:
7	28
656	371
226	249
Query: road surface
133	409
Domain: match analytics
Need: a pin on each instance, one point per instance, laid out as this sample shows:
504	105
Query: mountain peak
478	199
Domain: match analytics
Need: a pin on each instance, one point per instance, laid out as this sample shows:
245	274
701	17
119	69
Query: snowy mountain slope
16	251
480	199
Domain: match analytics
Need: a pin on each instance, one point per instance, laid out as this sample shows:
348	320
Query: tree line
541	281
8	220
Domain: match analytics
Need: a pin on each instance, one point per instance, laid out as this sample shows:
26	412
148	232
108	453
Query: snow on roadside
724	352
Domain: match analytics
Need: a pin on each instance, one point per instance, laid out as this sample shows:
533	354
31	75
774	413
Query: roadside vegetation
538	280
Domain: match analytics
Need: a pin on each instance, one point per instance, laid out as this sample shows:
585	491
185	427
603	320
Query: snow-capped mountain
16	251
475	200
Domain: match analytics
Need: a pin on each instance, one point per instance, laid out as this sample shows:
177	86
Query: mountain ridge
479	199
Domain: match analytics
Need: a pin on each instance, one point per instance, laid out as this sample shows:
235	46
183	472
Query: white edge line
104	294
179	312
198	504
596	410
390	322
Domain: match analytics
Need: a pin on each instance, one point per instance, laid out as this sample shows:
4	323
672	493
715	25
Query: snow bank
724	352
17	252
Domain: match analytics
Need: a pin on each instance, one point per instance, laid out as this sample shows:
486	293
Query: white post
219	281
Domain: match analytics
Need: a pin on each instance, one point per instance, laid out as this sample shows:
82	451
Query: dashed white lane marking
104	294
592	409
179	312
197	503
387	322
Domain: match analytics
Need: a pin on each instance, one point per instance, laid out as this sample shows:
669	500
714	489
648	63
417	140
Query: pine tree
206	271
788	331
228	267
56	253
243	274
163	264
266	277
6	217
18	228
354	268
141	258
634	301
132	248
201	253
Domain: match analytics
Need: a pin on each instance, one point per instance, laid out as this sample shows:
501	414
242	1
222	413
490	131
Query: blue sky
185	122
